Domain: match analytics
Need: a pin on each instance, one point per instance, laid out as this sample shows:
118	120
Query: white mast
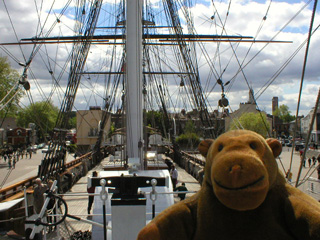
134	108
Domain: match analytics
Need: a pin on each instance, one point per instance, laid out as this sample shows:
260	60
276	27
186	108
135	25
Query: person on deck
182	188
309	161
174	176
30	153
169	163
38	198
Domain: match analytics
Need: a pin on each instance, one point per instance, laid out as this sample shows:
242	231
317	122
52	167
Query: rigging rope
315	111
6	177
54	161
279	71
14	30
244	76
189	65
281	29
247	53
15	86
9	54
9	101
301	85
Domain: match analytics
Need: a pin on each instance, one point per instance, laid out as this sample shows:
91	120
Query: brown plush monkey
243	196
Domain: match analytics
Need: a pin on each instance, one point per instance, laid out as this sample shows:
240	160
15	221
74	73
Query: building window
93	132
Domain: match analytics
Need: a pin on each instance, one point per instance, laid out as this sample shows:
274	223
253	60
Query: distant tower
251	96
274	104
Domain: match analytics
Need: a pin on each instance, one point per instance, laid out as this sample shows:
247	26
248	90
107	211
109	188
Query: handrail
15	188
9	191
190	157
193	158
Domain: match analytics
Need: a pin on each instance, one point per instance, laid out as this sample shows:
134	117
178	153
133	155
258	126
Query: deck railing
7	192
16	190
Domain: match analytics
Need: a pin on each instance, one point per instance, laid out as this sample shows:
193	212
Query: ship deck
77	205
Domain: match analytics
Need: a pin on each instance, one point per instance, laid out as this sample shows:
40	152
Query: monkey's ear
275	146
204	146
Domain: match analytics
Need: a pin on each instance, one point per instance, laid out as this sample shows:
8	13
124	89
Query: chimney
274	104
251	96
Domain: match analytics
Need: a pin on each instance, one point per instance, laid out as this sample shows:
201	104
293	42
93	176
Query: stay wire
251	45
250	89
315	110
279	71
37	47
241	69
234	52
308	174
192	30
39	15
222	30
281	29
9	101
6	177
9	54
217	53
15	86
13	28
235	120
39	24
39	21
301	85
251	92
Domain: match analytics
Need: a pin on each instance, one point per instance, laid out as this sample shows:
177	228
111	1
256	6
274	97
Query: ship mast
133	78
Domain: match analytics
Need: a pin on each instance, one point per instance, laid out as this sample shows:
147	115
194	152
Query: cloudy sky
265	20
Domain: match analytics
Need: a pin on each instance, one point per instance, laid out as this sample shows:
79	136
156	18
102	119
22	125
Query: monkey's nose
235	169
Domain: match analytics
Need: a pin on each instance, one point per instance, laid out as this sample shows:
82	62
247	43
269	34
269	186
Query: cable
279	71
9	54
12	219
300	91
15	86
9	101
6	177
15	33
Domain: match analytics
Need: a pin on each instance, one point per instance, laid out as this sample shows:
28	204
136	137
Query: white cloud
244	18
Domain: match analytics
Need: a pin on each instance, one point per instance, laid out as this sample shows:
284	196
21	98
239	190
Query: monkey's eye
220	147
253	145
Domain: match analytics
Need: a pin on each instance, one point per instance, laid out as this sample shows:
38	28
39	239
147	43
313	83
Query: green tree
9	78
190	128
72	122
156	119
43	114
112	129
189	138
284	114
253	122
